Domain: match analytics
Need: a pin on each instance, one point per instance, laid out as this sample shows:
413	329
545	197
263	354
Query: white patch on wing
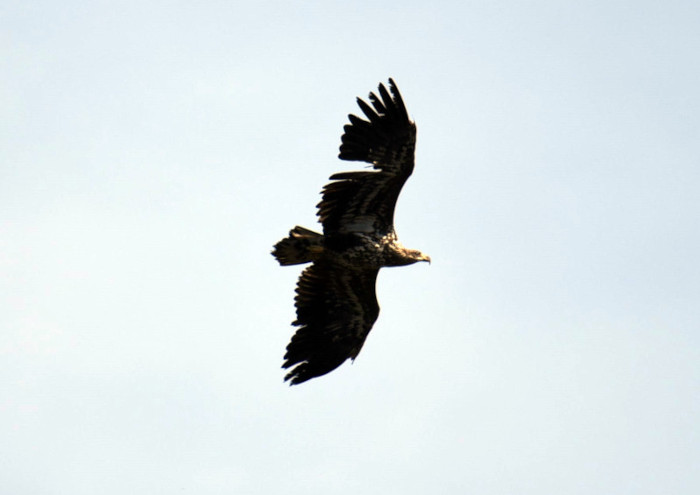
363	223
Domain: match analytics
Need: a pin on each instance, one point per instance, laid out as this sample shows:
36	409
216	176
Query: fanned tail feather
302	246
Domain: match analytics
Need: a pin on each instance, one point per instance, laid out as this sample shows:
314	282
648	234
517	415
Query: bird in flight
336	301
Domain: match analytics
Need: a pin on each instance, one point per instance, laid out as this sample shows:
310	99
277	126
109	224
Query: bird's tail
302	246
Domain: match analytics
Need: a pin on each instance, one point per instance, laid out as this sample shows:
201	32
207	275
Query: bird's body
336	300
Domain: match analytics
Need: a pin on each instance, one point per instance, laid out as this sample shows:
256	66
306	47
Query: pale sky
152	152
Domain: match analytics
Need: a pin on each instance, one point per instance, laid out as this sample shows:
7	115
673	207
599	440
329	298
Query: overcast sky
152	152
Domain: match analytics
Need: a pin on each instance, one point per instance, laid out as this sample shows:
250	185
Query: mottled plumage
335	298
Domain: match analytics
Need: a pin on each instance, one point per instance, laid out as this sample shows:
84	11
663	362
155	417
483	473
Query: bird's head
418	256
403	256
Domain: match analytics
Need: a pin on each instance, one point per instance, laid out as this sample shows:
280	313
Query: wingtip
295	378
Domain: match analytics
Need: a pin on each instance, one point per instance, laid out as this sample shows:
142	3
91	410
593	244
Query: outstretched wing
336	309
365	201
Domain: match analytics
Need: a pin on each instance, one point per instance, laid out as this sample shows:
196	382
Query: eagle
336	301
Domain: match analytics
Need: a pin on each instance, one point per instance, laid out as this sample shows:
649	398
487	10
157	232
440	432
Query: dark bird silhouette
336	301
